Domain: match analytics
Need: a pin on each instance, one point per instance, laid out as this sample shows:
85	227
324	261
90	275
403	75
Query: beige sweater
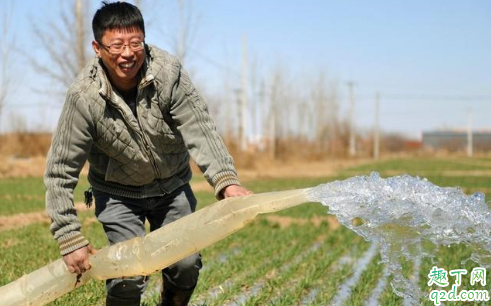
143	156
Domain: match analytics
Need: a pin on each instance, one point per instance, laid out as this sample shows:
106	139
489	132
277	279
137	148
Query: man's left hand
235	191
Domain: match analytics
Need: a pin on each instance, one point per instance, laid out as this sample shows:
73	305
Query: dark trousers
124	218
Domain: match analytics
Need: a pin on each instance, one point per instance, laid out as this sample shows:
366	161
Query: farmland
300	256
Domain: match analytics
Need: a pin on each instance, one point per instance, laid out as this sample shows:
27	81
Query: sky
429	60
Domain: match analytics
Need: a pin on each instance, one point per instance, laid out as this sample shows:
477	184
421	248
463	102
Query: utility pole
352	137
240	130
183	33
243	106
272	132
253	105
260	108
376	132
80	41
273	109
469	133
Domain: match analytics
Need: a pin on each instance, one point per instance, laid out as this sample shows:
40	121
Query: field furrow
373	300
344	291
300	256
255	274
289	289
249	296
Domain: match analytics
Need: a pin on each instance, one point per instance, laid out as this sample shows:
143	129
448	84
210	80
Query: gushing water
403	212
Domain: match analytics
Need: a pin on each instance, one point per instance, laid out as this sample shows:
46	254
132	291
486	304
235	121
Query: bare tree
254	109
180	28
188	26
67	44
276	103
7	46
182	31
151	10
325	113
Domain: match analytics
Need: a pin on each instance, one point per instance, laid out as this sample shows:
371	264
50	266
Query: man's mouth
127	65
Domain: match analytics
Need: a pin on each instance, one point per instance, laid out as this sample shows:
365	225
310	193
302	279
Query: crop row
263	264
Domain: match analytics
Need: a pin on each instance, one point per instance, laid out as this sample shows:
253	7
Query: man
134	114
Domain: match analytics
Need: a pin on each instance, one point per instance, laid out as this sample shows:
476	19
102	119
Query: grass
273	255
24	195
416	166
289	287
361	292
281	263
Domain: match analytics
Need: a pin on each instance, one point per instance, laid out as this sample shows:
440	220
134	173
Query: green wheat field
300	256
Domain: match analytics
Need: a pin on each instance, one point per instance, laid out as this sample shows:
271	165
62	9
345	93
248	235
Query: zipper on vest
145	141
147	147
145	84
142	136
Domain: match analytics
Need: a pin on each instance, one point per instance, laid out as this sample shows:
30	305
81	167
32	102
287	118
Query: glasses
118	48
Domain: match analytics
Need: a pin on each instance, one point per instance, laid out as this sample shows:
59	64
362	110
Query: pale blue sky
430	60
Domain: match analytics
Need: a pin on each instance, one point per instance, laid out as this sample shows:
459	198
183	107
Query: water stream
404	213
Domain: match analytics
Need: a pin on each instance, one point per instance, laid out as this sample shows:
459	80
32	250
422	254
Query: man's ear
97	48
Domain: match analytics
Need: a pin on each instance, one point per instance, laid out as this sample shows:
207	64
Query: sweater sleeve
68	153
203	142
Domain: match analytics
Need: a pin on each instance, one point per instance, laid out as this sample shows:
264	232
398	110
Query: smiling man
134	114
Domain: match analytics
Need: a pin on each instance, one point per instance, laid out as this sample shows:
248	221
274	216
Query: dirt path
298	169
283	221
22	167
24	219
35	167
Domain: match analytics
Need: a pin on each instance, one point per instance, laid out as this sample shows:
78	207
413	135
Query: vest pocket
125	174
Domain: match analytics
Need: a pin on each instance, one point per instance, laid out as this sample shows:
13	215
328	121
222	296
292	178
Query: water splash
402	212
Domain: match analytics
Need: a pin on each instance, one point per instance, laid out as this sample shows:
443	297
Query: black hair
116	15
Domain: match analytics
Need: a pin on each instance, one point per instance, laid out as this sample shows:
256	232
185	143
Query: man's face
122	68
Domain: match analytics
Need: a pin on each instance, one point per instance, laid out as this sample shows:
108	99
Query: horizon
429	61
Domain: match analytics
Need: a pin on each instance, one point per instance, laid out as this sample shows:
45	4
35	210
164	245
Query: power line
214	63
33	105
425	97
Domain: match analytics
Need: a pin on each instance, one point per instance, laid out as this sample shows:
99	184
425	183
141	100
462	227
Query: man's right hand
78	260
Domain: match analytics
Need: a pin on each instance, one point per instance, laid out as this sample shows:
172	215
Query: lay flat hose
155	251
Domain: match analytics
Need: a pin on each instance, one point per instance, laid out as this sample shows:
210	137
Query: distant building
456	140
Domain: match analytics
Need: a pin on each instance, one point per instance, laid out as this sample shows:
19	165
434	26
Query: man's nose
127	51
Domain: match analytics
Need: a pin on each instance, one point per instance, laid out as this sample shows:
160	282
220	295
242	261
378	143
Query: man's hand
78	260
235	191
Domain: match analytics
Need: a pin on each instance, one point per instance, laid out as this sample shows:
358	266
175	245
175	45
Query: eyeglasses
118	48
